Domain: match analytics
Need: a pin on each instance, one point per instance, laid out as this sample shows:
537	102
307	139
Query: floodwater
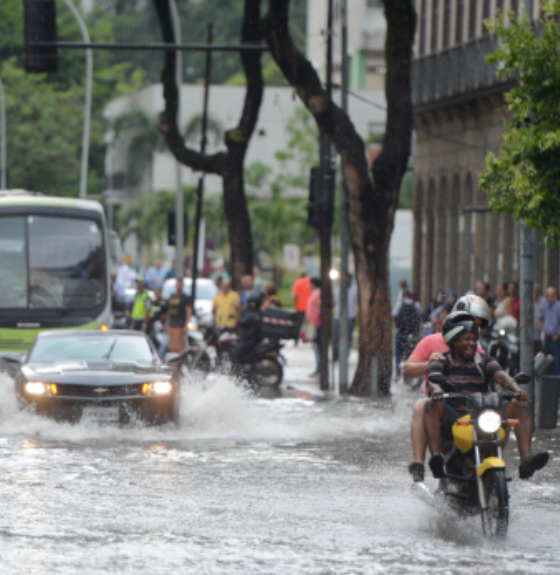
249	486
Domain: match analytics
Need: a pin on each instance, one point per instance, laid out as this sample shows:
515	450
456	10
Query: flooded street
247	486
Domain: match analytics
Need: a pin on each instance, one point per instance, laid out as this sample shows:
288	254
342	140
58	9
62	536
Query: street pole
527	281
87	106
3	167
179	198
203	141
325	234
343	343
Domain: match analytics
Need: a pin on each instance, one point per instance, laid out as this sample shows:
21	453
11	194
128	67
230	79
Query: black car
105	376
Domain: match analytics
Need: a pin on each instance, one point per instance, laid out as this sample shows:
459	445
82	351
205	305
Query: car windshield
118	349
51	262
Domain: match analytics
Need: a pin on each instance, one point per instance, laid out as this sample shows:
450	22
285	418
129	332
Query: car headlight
157	388
489	421
40	388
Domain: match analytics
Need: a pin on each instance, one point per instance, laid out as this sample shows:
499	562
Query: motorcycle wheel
268	371
495	518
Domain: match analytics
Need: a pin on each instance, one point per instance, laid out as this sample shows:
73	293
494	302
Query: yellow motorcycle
475	479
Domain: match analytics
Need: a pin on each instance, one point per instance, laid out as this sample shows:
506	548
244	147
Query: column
515	253
417	251
491	246
452	251
439	249
551	268
539	259
506	248
427	257
478	240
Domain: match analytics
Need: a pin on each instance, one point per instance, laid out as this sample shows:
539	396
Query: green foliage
524	178
406	192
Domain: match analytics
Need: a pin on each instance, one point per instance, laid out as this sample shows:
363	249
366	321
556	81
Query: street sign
291	257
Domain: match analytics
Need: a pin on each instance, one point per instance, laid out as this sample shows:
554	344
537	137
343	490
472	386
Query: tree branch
212	164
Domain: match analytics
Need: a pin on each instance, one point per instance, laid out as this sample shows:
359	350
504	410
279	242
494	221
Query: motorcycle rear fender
490	463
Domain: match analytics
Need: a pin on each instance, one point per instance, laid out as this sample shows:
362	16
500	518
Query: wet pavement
251	485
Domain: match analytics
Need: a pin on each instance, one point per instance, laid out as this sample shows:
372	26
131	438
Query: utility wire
421	128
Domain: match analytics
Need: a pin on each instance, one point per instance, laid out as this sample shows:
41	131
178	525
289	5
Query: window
472	19
485	14
435	25
446	23
13	262
459	18
422	48
515	6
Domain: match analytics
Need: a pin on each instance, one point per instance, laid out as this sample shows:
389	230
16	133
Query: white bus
56	257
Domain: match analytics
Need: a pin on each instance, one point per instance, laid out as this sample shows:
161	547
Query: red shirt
302	289
431	344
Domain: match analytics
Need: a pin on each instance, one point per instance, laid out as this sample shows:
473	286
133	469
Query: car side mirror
522	378
11	363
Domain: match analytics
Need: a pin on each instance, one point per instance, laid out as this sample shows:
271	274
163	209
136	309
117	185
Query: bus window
13	263
66	263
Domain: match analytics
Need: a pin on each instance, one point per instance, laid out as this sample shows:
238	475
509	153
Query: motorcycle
475	479
214	353
503	344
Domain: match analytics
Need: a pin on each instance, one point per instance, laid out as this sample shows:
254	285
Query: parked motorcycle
475	479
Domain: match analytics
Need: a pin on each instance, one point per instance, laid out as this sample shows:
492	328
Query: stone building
459	116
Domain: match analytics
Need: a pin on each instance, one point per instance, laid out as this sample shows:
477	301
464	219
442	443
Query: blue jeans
553	348
351	324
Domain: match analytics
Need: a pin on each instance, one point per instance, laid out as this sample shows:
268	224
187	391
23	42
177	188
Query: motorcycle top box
278	323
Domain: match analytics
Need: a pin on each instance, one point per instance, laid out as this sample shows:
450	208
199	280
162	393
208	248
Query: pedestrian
433	306
225	304
155	275
142	307
221	271
352	313
407	321
248	287
482	289
451	297
513	293
403	286
160	313
539	305
301	291
549	322
125	274
179	311
171	272
258	280
218	282
446	309
313	318
271	298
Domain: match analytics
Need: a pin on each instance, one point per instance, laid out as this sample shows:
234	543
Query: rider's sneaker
416	469
531	463
436	464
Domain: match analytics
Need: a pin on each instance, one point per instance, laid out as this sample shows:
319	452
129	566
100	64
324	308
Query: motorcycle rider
432	347
249	325
469	372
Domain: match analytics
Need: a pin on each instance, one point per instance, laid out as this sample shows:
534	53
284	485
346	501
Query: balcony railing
455	72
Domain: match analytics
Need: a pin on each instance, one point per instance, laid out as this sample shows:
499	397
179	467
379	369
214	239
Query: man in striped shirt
470	373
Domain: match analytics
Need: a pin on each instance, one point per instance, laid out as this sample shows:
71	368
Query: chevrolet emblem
101	390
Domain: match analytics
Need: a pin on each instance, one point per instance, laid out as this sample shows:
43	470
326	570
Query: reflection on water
248	485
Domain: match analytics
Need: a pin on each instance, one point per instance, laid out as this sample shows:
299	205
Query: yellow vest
139	307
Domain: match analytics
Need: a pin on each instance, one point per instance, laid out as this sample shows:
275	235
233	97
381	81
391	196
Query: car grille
72	390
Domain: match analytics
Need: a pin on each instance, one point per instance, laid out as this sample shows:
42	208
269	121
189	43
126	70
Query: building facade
459	116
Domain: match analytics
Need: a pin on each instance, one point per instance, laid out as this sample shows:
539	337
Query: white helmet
476	306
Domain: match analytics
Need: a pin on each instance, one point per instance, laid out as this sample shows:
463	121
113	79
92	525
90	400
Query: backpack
408	320
477	361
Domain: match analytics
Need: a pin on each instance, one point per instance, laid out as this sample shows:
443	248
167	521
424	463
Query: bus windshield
51	263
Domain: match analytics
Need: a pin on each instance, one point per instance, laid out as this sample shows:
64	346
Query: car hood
95	373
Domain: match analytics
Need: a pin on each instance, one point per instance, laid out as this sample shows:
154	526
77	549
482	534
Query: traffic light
320	208
171	228
40	26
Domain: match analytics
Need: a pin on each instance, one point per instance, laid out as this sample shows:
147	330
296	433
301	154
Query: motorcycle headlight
489	421
157	388
192	325
40	388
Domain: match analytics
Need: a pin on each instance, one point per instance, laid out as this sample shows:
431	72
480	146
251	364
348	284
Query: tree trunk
229	165
370	205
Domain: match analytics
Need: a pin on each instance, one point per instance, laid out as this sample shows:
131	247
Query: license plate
101	414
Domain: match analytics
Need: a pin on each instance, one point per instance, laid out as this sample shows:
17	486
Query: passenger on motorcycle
249	325
469	372
430	348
